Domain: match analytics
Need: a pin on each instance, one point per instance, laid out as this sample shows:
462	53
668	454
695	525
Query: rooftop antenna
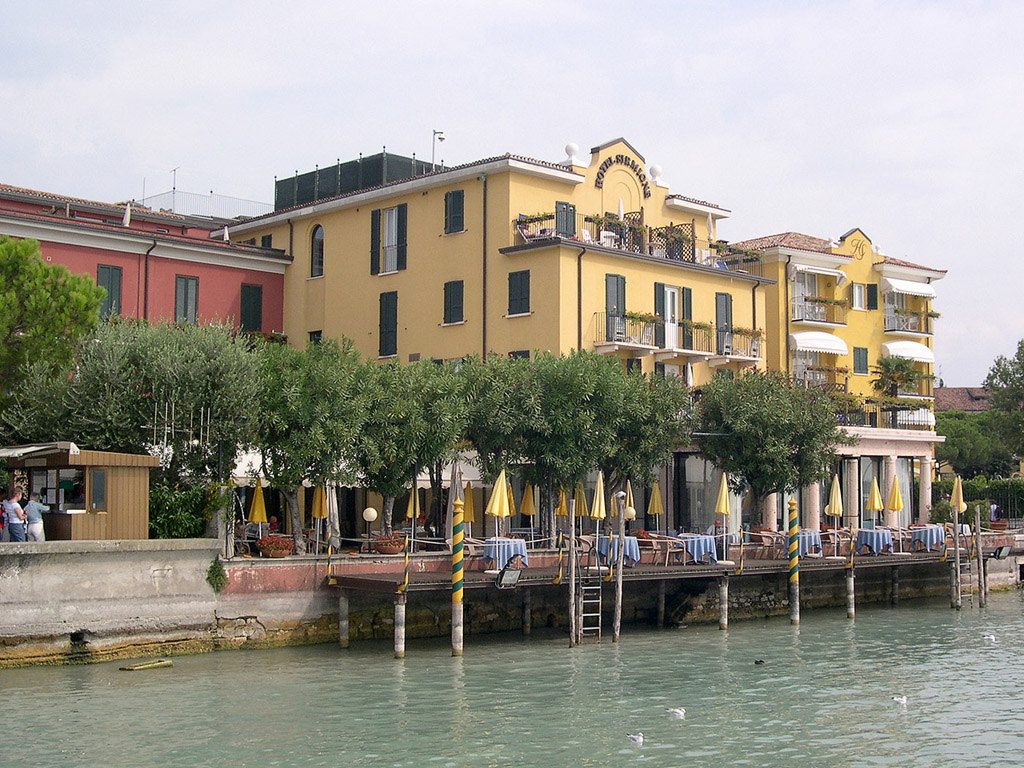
438	136
174	186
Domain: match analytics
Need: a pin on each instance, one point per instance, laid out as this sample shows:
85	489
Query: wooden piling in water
794	566
527	612
723	601
894	592
980	556
619	559
661	604
851	594
342	618
400	625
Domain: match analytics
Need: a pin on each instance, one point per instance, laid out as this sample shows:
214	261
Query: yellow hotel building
511	255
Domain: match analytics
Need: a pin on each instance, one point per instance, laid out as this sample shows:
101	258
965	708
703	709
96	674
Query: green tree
893	375
310	413
767	433
974	444
1005	384
47	311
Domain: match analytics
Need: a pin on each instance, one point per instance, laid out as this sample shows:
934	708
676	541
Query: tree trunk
385	515
435	521
292	497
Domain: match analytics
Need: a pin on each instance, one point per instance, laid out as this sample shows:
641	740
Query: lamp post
438	136
369	515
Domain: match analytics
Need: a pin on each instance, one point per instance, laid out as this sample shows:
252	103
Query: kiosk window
98	490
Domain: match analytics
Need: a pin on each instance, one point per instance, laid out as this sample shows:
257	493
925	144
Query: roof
137	209
787	240
620	140
971	399
911	265
695	201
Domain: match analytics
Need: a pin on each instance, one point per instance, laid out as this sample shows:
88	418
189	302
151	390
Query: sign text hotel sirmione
630	163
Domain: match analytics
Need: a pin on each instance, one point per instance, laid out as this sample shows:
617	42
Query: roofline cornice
693	207
918	274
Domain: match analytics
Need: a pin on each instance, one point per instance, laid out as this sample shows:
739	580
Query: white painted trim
922	274
705	210
417	184
137	243
907	287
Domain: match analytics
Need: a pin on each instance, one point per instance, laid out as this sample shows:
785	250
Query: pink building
159	266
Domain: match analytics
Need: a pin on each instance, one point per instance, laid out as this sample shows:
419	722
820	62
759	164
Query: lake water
822	698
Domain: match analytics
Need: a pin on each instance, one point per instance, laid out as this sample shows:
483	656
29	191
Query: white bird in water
677	712
900	700
637	738
989	638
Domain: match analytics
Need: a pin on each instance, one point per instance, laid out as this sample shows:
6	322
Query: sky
901	118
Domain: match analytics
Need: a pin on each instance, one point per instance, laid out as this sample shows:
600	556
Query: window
388	239
316	252
97	490
565	220
453	302
860	360
250	314
723	323
633	365
267	241
315	337
519	292
388	332
858	298
453	218
872	295
519	354
186	299
109	278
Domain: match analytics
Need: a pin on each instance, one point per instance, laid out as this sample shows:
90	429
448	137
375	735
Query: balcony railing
826	381
683	336
672	243
389	258
819	309
908	322
880	417
612	328
924	388
736	344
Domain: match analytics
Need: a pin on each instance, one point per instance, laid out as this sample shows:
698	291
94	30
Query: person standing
34	518
15	516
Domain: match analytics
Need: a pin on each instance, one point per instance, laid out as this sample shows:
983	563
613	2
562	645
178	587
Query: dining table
875	539
808	542
501	550
928	536
630	552
698	545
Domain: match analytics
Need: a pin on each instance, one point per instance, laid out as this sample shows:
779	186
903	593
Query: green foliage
216	577
894	374
1005	384
766	432
189	389
974	444
46	312
179	512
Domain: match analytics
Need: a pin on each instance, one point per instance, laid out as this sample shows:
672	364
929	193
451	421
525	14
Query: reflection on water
822	698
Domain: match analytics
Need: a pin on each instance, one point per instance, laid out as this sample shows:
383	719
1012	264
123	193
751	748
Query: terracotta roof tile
970	399
787	240
119	207
912	265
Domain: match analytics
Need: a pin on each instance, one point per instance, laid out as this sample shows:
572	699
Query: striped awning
835	274
817	341
912	349
907	287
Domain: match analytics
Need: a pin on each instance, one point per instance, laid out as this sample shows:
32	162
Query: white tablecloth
631	553
502	550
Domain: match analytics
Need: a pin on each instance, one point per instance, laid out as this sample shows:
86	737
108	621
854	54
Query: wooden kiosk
92	495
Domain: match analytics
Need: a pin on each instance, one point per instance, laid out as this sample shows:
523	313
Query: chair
585	236
609	239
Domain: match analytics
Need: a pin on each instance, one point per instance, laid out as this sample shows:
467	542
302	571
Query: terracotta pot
388	547
275	552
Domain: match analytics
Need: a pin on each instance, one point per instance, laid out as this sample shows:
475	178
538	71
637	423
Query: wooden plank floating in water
154	664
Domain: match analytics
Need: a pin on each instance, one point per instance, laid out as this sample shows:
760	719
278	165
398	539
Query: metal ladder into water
589	601
967	558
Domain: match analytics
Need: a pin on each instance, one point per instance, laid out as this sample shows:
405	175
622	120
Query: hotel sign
629	162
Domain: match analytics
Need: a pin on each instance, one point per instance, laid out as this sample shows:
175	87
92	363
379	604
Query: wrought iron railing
885	417
610	327
736	344
910	322
826	381
684	336
389	258
818	309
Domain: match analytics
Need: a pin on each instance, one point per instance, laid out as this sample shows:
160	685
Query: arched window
316	252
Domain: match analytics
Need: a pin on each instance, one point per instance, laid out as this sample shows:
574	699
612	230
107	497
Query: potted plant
275	546
389	544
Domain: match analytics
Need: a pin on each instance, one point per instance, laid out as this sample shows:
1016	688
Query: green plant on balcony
534	218
750	333
933	314
697	325
825	300
641	317
895	374
829	368
904	312
672	235
846	401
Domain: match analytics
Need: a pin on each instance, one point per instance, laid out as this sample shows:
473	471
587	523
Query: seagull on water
759	661
989	638
902	700
677	712
637	738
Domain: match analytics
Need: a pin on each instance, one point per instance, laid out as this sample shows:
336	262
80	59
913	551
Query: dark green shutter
659	310
614	304
687	298
388	324
565	220
519	292
403	211
860	359
872	296
250	315
109	278
453	302
453	211
375	241
723	321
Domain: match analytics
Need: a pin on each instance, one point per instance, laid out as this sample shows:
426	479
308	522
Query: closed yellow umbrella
511	500
599	511
497	505
895	500
467	505
956	500
563	509
410	508
581	501
526	508
257	509
722	504
834	508
629	495
874	498
654	507
319	513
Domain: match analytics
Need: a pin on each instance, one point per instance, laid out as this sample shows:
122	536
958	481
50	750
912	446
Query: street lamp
438	136
369	515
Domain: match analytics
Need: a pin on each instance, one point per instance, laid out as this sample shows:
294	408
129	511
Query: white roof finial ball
655	172
572	149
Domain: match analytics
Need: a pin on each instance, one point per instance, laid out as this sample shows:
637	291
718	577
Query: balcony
617	333
819	309
683	341
876	416
907	322
832	381
672	243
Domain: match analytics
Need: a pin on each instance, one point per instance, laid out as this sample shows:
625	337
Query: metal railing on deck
882	417
915	322
826	381
610	327
730	343
818	309
683	336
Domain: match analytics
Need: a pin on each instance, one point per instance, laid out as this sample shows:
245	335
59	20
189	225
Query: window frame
862	293
518	293
111	304
856	369
385	334
454	300
316	252
454	211
242	325
189	314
